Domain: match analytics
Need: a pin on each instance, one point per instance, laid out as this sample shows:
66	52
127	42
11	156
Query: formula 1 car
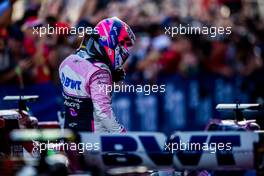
19	118
227	145
13	119
140	152
238	115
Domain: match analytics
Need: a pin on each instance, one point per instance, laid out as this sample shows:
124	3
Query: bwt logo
127	151
72	84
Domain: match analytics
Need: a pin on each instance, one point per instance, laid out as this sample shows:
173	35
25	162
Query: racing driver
93	67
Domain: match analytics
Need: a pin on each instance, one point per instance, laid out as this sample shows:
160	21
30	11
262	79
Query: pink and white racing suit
87	103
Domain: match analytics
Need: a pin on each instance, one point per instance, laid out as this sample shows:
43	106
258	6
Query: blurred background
199	71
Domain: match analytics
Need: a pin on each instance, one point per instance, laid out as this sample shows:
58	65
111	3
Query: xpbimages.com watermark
147	89
211	31
64	146
196	147
63	30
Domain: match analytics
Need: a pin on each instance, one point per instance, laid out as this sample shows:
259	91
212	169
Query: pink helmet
116	37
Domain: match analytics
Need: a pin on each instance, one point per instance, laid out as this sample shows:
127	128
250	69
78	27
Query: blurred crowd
26	58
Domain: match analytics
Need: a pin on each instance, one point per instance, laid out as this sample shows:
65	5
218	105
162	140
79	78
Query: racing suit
86	101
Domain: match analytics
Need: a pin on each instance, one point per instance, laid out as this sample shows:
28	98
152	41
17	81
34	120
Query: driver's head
116	37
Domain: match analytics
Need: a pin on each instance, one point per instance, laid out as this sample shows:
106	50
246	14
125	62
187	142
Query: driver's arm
104	118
